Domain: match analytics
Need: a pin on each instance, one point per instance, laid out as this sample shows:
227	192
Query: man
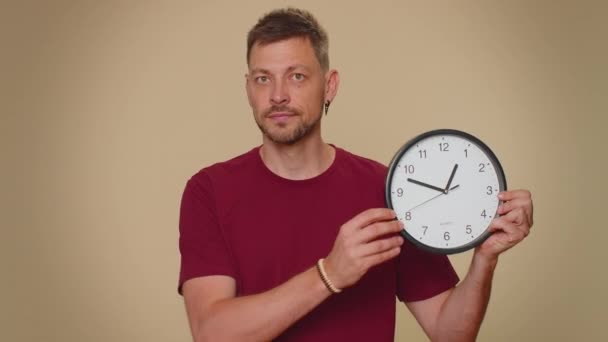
291	241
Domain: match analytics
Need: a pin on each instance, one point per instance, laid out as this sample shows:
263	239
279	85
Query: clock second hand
432	198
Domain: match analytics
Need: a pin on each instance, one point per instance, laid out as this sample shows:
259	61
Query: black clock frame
502	184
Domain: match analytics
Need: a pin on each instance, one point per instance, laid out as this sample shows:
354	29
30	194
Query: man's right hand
366	240
213	305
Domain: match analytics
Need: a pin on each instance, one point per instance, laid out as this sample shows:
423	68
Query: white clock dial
443	185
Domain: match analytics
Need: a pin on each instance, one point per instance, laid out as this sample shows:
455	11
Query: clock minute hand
426	185
447	187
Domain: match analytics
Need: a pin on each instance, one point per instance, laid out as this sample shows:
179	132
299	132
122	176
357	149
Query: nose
280	93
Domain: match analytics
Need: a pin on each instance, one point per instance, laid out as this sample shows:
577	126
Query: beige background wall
107	107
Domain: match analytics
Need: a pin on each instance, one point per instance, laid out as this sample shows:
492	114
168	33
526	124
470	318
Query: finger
370	216
518	217
525	203
512	232
513	194
375	259
376	230
379	246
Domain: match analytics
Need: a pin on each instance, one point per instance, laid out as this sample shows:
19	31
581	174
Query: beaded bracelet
330	286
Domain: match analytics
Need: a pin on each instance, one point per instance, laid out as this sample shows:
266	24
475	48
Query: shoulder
227	168
228	173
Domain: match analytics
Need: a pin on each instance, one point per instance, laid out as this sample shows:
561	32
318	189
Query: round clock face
443	185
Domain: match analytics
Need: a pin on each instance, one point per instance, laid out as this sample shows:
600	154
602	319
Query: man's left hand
512	226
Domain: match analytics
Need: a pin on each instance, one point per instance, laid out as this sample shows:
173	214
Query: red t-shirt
240	219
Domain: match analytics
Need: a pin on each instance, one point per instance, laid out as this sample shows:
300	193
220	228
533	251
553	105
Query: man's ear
247	89
332	80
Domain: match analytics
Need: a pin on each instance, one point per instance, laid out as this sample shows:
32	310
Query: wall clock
443	185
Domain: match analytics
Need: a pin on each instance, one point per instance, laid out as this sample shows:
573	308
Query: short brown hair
287	23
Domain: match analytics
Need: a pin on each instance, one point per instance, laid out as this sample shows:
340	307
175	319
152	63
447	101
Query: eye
298	77
261	79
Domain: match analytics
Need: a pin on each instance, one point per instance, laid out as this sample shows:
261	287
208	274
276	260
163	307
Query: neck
305	159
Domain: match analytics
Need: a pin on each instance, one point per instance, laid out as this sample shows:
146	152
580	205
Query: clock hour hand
447	187
426	185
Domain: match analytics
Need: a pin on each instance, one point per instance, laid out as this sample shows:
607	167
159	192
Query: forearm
462	313
263	316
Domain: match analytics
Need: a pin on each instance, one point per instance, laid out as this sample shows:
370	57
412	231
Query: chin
284	139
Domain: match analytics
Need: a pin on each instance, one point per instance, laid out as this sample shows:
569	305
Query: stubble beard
284	136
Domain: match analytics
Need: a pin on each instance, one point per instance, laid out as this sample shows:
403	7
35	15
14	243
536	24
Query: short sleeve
202	246
422	275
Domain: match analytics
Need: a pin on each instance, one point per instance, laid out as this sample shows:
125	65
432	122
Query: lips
281	117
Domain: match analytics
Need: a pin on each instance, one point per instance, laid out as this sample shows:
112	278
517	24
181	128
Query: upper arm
201	293
427	311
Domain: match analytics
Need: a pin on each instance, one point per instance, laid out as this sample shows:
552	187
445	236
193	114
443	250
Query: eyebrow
259	70
291	68
302	66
